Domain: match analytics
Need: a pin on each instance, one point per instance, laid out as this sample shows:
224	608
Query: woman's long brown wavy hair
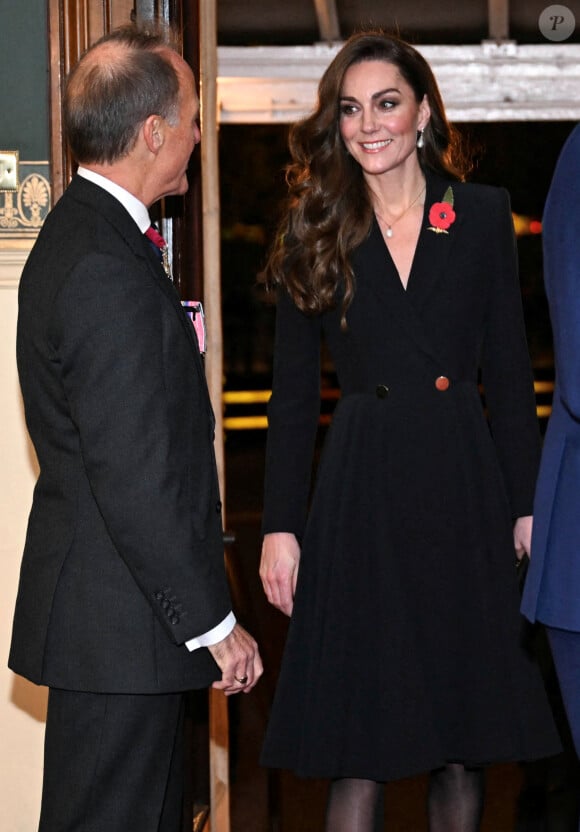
328	210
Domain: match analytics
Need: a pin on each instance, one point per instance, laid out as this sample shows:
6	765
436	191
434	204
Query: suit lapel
169	290
123	225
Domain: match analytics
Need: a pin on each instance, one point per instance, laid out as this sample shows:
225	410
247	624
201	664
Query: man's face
180	137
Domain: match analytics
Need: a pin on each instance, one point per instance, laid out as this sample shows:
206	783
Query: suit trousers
565	647
113	762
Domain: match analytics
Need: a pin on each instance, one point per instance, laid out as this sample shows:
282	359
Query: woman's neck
391	194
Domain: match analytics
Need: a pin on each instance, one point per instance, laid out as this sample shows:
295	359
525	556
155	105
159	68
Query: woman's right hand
279	569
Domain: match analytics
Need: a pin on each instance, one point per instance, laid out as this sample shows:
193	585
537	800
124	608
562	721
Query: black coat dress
403	651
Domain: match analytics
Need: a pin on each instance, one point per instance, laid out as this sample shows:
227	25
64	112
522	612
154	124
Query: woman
552	591
402	653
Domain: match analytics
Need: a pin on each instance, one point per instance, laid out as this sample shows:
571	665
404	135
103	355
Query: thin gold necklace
389	231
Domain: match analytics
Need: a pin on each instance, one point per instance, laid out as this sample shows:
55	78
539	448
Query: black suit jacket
124	557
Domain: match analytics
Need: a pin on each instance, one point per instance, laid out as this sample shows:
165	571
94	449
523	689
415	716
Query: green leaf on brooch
448	196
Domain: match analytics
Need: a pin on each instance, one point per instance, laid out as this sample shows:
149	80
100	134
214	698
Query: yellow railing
235	398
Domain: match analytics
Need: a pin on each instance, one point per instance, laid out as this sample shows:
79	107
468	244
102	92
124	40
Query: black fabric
403	651
113	762
123	559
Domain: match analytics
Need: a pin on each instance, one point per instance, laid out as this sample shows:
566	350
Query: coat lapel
434	248
373	261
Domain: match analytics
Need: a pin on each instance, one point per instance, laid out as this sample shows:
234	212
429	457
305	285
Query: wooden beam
218	708
499	19
58	156
328	24
211	213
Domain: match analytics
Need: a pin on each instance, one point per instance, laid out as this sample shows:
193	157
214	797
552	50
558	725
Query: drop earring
420	139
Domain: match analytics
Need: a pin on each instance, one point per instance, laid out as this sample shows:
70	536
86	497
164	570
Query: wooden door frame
73	25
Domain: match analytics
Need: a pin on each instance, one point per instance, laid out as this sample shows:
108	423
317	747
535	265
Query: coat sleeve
145	437
506	369
562	270
293	413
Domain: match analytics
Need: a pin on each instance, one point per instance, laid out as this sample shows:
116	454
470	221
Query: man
123	603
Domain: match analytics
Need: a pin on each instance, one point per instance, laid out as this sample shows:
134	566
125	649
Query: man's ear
153	133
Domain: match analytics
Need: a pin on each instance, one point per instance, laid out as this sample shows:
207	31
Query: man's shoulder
69	233
83	200
84	248
85	219
70	221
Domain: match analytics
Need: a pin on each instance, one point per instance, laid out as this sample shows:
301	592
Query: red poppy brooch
441	214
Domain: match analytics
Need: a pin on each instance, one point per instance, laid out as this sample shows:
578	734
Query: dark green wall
24	73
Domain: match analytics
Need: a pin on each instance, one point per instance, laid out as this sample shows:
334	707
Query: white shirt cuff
218	633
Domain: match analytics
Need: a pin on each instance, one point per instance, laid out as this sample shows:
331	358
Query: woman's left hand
523	536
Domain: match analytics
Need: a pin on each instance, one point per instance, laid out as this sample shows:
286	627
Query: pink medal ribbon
194	311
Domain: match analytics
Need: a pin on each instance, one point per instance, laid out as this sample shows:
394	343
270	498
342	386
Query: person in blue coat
552	590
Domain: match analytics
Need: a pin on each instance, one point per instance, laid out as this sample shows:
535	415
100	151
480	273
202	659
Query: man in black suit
123	603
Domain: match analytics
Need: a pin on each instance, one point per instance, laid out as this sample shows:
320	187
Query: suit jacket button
442	383
218	506
382	391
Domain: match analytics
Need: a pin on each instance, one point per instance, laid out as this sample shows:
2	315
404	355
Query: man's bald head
119	82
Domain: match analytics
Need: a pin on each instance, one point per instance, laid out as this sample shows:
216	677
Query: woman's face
380	116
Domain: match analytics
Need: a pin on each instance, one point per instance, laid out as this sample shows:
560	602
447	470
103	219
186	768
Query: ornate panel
22	210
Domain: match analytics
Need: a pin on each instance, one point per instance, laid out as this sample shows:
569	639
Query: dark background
252	22
519	156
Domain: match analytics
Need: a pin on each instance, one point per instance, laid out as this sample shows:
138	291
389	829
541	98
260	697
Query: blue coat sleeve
562	270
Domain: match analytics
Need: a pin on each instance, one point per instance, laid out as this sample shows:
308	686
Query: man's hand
279	569
238	659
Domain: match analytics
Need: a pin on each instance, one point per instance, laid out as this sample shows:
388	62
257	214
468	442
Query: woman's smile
373	147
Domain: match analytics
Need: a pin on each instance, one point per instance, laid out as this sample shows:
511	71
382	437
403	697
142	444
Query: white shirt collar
137	210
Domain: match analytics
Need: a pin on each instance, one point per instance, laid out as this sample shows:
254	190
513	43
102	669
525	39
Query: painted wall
22	705
23	127
24	74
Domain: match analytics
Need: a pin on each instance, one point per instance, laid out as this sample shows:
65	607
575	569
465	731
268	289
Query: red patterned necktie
155	237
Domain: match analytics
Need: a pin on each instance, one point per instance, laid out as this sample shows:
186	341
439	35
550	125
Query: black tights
455	802
352	805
